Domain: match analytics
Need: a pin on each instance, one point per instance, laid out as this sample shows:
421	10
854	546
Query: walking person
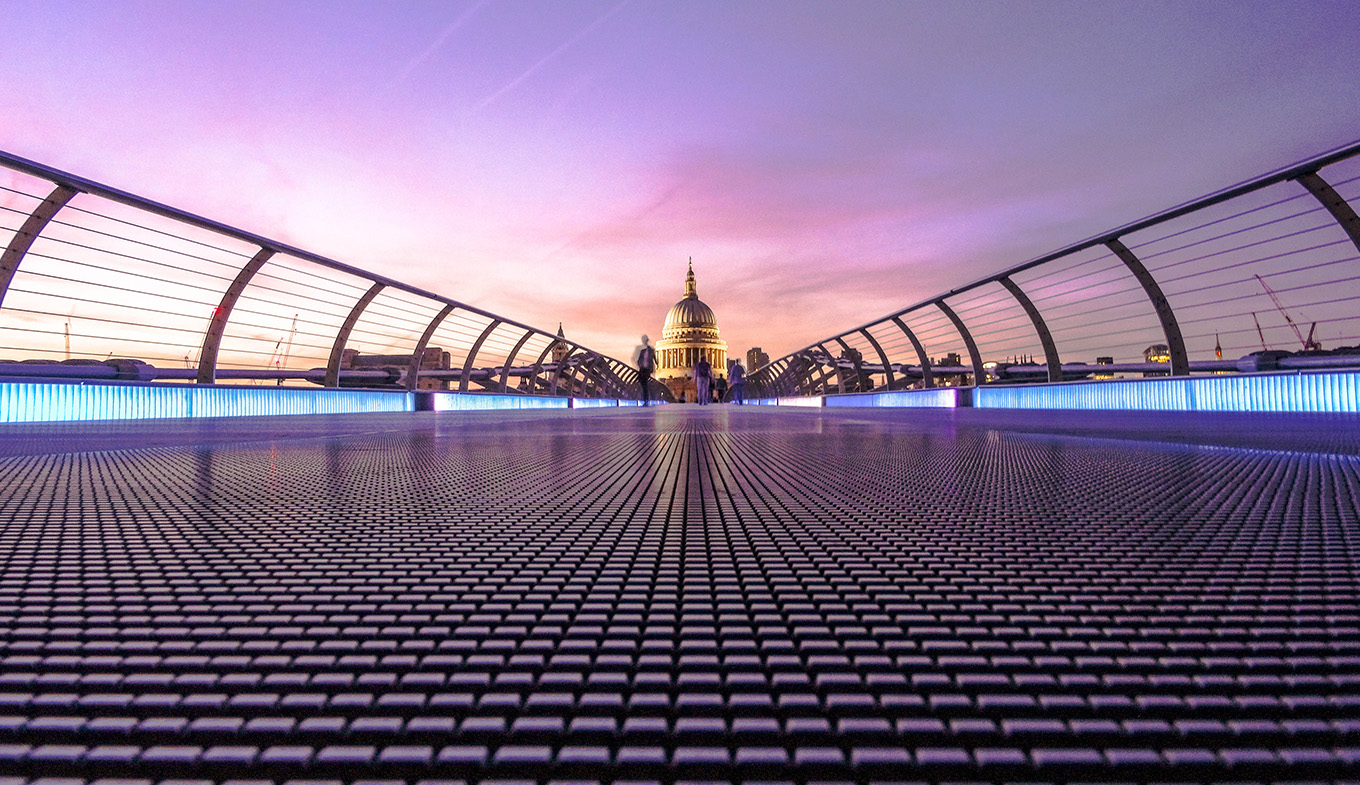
644	357
738	374
720	388
703	378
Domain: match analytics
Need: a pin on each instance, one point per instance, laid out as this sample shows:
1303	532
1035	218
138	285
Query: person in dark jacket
644	357
703	379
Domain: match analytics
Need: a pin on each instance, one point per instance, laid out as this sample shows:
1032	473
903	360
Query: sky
823	163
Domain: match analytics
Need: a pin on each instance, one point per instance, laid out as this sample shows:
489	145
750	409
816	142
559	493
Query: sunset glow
823	163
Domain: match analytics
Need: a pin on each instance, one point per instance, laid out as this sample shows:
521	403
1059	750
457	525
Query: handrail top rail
1283	174
85	185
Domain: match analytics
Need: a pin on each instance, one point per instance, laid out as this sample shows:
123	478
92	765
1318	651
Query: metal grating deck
681	594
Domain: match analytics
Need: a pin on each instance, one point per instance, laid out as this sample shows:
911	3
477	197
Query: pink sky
823	163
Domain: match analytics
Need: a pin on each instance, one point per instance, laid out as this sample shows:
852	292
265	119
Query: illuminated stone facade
690	332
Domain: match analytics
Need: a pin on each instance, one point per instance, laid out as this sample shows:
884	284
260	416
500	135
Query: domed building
690	332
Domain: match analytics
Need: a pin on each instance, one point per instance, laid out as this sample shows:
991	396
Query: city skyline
834	162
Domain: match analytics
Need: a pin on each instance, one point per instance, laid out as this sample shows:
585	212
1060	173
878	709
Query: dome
690	312
689	335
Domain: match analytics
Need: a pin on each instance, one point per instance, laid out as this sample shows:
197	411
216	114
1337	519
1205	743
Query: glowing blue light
593	403
935	398
458	402
55	401
1323	391
815	401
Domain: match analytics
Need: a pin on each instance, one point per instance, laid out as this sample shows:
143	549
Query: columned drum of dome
690	333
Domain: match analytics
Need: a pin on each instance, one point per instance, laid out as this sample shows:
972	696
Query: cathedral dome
689	335
689	313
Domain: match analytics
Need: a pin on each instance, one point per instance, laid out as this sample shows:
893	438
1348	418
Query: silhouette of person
703	377
738	374
719	388
644	357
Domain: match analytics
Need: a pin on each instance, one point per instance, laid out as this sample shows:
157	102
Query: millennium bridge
266	517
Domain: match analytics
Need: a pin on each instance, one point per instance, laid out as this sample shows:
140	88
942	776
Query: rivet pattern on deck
678	594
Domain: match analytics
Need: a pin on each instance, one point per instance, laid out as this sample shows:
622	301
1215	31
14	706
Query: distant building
1103	361
951	360
1158	353
690	332
755	359
559	347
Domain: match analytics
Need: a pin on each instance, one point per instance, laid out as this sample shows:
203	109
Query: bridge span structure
1243	281
100	284
905	576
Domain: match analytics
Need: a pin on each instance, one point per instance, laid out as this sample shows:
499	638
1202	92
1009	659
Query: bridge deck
682	594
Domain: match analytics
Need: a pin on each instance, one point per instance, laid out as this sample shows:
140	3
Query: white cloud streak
569	43
438	44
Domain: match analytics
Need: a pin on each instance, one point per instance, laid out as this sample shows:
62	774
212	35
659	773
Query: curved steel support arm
927	378
807	375
533	380
212	339
1051	360
472	353
766	379
883	358
413	371
979	373
800	372
562	368
510	360
785	382
1180	360
858	364
342	337
1337	206
834	366
23	239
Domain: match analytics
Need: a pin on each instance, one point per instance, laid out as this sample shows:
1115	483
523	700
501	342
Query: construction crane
1309	345
1258	331
288	350
277	361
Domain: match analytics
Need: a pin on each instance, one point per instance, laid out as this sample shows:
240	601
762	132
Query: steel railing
1252	278
99	283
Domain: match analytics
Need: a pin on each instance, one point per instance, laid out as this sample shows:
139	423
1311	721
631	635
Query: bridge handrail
592	374
861	354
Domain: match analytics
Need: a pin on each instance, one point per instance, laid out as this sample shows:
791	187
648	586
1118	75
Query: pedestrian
703	378
720	388
738	374
644	357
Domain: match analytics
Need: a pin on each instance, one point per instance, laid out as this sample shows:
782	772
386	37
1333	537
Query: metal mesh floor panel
680	594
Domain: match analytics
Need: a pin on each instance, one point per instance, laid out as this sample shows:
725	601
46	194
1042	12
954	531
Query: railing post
33	226
803	373
1337	206
538	368
1045	338
217	326
1180	360
621	373
979	374
783	382
510	360
472	353
927	378
561	367
832	365
342	337
413	371
883	358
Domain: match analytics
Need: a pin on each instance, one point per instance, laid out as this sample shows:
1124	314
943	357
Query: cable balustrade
1261	276
100	284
